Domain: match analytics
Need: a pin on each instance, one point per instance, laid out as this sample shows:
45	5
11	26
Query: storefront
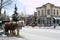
56	20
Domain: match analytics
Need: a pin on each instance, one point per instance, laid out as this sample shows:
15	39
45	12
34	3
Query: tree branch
7	4
7	1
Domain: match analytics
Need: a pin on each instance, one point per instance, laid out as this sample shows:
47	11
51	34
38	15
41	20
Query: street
29	33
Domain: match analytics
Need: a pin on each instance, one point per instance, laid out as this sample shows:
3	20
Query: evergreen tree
15	15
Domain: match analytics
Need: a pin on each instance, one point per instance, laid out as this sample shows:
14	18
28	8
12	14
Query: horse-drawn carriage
10	27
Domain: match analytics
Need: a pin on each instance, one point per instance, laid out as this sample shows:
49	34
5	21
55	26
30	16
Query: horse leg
13	32
10	32
17	32
6	31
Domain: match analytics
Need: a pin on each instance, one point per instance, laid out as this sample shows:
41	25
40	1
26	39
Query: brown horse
10	26
7	27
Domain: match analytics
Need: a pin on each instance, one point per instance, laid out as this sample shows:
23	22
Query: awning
57	18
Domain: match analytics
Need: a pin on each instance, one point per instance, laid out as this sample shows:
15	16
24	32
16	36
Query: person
54	26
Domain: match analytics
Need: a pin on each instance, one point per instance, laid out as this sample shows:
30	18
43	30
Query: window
57	12
48	12
38	13
54	12
39	21
42	12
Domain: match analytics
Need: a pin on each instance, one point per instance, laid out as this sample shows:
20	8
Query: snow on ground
10	38
37	33
4	37
40	34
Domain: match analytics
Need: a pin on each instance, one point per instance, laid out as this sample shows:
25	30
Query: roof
38	7
44	5
50	4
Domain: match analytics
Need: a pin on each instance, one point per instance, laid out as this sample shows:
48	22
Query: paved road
35	34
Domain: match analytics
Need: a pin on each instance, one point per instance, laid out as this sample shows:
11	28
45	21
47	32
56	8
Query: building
47	13
34	19
29	20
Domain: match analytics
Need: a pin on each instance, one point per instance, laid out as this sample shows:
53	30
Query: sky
28	6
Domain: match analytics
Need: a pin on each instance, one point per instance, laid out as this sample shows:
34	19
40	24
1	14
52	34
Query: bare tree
4	3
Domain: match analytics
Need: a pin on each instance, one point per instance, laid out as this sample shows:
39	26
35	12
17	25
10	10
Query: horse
10	26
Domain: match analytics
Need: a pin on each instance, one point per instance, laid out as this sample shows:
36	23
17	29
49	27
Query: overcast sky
29	6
